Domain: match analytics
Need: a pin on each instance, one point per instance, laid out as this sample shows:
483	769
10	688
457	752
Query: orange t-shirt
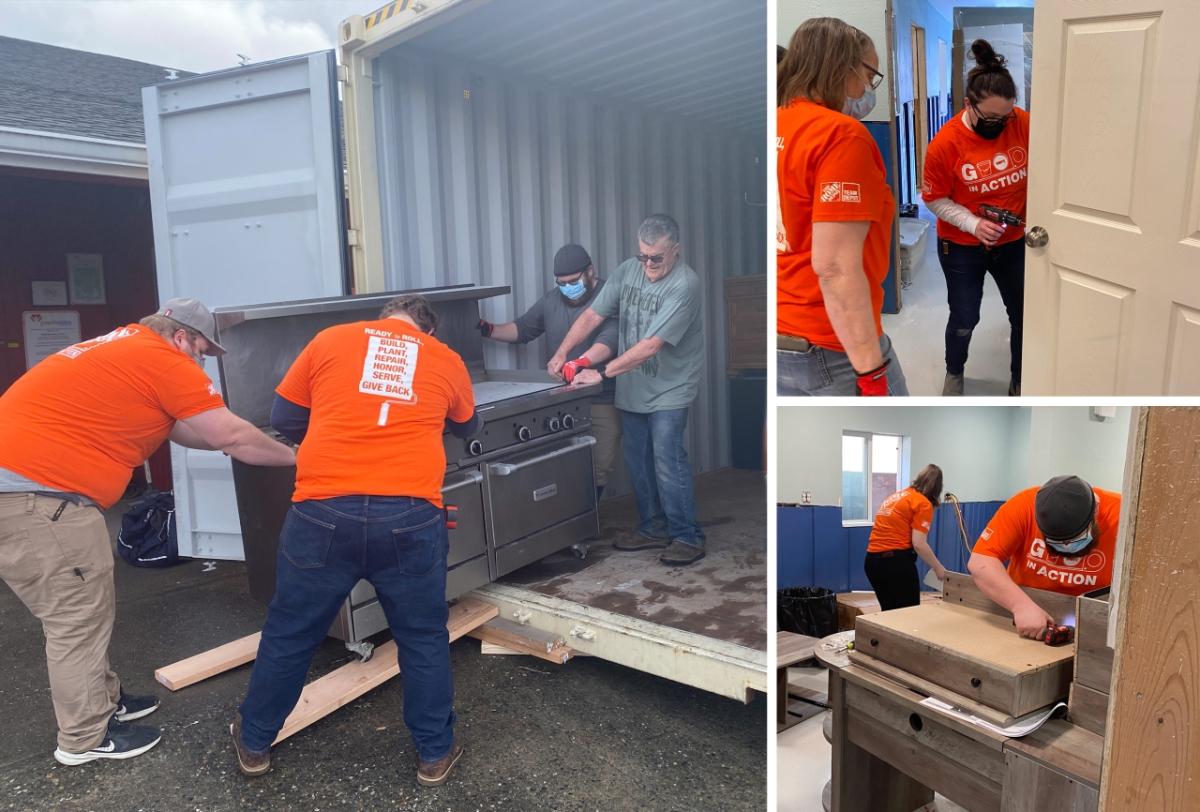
84	418
829	170
1013	536
899	515
379	393
972	170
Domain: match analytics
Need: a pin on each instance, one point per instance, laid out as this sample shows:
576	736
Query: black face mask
988	129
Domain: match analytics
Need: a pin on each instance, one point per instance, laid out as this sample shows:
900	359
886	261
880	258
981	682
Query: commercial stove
523	484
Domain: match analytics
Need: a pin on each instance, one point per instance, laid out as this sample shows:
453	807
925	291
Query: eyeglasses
563	281
985	119
650	259
876	80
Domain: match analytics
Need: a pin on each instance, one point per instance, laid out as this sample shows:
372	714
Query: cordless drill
1002	216
1056	635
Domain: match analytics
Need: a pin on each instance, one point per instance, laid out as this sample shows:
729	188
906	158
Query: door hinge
343	74
352	237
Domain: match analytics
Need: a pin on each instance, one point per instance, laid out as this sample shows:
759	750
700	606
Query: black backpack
147	537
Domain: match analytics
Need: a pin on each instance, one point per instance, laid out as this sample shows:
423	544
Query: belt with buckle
792	343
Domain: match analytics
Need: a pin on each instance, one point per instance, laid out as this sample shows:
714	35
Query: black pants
893	576
965	267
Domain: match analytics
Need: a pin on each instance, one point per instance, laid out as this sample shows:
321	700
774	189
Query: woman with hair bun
899	535
979	161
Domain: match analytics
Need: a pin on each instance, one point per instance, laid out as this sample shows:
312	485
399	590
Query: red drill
1056	635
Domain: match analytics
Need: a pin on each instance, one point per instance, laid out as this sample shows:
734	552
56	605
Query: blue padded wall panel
795	546
830	550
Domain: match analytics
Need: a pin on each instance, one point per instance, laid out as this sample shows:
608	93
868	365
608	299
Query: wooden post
1152	752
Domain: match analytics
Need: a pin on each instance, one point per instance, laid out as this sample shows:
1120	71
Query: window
874	466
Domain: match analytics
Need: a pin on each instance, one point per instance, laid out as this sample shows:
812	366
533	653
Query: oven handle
510	468
464	478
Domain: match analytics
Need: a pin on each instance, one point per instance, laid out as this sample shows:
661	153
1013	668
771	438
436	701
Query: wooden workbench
790	649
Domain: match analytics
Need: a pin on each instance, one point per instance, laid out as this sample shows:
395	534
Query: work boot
435	773
953	387
134	707
680	554
250	762
121	741
1014	389
640	541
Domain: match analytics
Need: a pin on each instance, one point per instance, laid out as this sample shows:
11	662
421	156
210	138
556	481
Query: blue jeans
965	268
821	372
661	474
399	544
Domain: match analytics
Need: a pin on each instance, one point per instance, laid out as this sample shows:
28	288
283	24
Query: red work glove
485	328
873	383
571	368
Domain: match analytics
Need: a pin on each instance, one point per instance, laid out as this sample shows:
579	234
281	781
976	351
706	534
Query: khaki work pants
57	557
606	428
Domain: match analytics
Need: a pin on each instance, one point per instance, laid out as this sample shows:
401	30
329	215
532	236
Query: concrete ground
586	735
918	330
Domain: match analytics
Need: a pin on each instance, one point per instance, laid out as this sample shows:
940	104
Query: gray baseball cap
192	313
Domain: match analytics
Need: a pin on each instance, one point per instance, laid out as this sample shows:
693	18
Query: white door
1112	301
247	200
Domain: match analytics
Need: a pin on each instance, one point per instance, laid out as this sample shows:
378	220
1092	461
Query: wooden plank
959	588
510	637
1030	785
1065	747
861	781
323	696
1088	708
927	688
792	648
1152	751
209	663
923	767
1093	657
974	653
928	729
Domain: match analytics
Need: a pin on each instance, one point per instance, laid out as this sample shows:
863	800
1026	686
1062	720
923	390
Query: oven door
531	494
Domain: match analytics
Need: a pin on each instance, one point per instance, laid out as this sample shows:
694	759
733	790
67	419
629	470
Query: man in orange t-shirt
900	534
835	214
368	402
71	430
1060	537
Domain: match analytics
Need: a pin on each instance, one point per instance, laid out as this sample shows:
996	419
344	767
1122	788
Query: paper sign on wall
49	294
85	272
47	332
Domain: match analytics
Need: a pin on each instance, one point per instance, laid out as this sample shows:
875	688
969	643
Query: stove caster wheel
580	551
363	649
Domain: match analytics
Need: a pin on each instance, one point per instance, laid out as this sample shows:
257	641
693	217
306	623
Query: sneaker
134	707
435	773
680	554
121	741
250	762
953	385
1014	389
640	541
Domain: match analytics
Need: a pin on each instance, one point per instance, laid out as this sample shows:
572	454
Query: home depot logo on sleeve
1071	570
843	191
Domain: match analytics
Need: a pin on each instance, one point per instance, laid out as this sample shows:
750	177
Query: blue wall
816	550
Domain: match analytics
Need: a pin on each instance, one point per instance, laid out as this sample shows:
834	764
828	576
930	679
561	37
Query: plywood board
1152	756
208	663
974	653
323	696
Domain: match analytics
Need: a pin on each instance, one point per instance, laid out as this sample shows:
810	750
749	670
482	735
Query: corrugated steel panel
483	174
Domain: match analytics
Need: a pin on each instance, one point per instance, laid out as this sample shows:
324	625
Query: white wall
986	453
970	444
866	15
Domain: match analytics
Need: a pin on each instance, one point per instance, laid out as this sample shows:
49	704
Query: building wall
44	217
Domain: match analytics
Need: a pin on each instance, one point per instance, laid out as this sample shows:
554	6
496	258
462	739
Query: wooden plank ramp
323	696
501	636
208	663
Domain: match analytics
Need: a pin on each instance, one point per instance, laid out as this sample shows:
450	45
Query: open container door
247	199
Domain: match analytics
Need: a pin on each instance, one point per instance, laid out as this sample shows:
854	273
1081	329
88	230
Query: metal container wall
483	176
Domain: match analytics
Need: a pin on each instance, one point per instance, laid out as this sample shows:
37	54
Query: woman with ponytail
978	161
834	227
899	535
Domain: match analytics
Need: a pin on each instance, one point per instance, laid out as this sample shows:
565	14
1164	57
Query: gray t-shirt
553	316
669	309
12	482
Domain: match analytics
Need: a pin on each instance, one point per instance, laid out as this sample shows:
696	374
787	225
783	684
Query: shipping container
478	138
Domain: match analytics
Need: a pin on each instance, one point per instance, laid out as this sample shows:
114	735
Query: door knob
1036	237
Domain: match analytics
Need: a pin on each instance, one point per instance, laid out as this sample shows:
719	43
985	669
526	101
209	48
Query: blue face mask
860	107
574	290
1070	547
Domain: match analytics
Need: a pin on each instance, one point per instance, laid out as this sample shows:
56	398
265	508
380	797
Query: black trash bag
807	610
147	537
